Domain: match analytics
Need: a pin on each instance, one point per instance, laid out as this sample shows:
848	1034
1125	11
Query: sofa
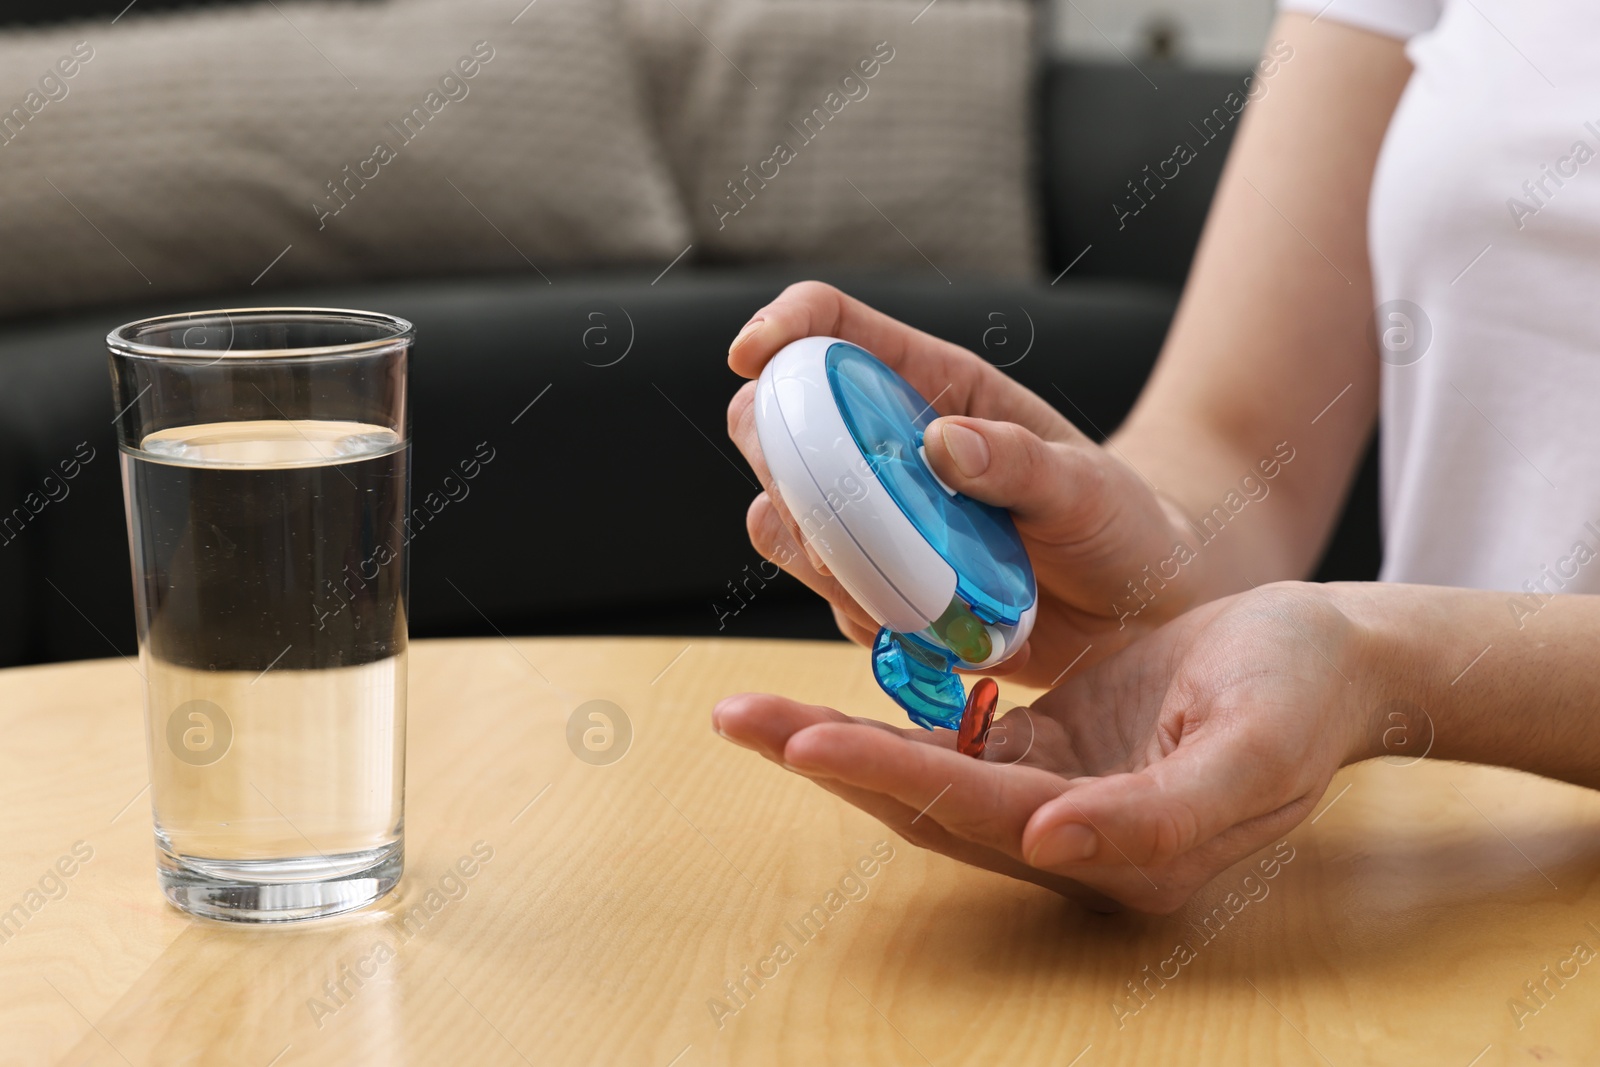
611	500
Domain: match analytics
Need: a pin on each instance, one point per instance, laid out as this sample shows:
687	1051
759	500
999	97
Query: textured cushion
403	138
772	95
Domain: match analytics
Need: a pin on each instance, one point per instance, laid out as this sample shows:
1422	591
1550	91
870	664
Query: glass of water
266	470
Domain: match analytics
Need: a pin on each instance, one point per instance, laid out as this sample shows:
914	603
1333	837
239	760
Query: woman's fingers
863	634
1062	493
986	803
765	723
1026	459
742	431
1205	787
926	832
773	531
815	309
954	379
774	540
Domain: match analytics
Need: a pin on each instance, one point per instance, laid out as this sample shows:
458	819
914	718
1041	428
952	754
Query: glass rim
121	343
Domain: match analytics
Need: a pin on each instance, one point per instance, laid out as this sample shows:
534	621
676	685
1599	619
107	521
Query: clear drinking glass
266	470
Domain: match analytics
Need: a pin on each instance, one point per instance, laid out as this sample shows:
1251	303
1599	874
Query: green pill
963	633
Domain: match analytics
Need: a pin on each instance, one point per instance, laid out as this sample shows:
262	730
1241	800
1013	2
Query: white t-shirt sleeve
1403	19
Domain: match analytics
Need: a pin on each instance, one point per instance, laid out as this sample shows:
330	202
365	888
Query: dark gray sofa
615	503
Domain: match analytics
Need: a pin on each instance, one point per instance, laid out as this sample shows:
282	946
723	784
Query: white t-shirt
1485	215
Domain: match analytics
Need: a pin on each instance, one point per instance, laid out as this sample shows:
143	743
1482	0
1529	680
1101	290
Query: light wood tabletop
1428	914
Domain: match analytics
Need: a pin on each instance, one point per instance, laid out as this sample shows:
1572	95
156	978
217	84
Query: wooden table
619	899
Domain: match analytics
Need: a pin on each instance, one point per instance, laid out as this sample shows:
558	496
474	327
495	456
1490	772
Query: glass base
280	890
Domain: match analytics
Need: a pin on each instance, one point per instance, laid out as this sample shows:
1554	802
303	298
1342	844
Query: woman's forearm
1269	355
1487	677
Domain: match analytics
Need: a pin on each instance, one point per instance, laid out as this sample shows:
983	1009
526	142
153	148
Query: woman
1430	158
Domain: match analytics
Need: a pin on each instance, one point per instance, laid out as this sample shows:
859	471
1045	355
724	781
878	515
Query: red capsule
977	718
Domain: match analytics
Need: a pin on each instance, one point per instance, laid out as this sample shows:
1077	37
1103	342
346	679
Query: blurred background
579	202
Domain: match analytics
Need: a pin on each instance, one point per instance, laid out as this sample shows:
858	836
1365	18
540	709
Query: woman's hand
1139	779
1090	523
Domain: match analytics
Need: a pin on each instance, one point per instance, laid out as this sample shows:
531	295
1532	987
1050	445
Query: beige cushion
196	147
938	140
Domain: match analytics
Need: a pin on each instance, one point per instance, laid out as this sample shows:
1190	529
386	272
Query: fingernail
968	448
1072	843
749	328
751	745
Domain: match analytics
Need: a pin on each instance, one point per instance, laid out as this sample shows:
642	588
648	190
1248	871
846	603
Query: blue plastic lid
887	417
921	677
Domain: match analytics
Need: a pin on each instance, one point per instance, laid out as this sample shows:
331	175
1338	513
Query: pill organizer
944	575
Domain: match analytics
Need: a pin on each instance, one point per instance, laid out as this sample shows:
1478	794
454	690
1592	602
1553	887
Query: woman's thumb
1041	482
